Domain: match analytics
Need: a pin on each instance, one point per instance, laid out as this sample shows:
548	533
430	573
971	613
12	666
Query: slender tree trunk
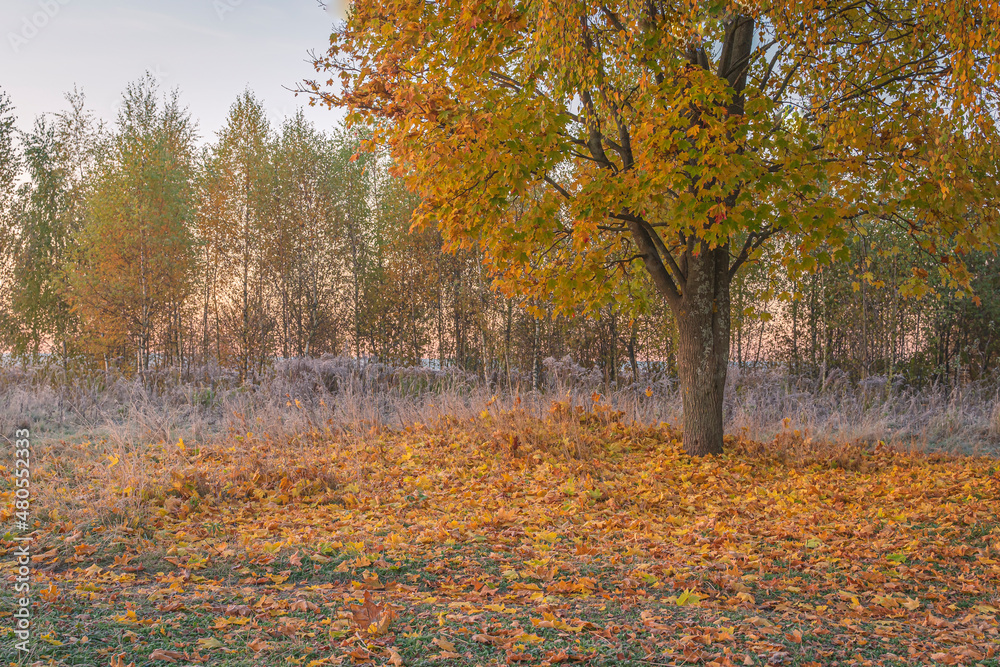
739	328
613	341
795	335
703	324
535	364
631	351
506	338
204	320
760	344
812	325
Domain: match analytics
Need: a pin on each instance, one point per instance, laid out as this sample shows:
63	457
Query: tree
305	259
576	140
9	159
132	263
58	157
37	308
356	203
9	238
235	223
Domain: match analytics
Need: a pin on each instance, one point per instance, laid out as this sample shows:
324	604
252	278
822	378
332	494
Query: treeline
864	317
136	247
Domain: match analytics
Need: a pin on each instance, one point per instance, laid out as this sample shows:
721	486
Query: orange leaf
257	645
373	618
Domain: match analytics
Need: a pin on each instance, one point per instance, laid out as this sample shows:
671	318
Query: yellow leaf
687	597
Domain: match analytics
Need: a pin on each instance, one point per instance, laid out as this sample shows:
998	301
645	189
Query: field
504	534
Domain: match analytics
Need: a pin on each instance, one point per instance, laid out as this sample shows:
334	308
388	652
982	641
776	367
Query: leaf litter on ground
515	541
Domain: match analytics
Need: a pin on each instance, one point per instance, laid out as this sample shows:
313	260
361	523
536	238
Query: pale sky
210	49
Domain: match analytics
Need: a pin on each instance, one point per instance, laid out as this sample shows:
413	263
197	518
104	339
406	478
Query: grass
339	397
576	536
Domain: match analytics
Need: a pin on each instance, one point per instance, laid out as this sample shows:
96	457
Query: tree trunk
631	352
703	324
697	287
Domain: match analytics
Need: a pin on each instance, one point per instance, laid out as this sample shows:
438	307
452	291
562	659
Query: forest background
136	247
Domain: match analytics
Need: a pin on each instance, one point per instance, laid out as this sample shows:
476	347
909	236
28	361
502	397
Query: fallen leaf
166	656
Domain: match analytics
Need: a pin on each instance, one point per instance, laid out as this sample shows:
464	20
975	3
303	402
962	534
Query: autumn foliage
584	144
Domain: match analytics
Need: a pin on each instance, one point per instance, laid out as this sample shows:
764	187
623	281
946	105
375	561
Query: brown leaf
556	657
372	618
361	654
166	656
257	645
51	553
303	605
937	622
237	610
444	644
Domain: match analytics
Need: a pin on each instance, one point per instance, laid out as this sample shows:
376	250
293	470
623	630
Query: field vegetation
334	515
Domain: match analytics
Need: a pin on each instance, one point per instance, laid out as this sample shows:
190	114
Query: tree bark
697	284
703	324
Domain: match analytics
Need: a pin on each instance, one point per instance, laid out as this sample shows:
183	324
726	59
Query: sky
211	50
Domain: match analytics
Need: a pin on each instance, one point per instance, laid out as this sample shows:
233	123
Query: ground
508	540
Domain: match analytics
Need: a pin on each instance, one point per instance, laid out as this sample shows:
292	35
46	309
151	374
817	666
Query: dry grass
335	394
106	445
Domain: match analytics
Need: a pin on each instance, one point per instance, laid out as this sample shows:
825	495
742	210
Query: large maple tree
579	141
